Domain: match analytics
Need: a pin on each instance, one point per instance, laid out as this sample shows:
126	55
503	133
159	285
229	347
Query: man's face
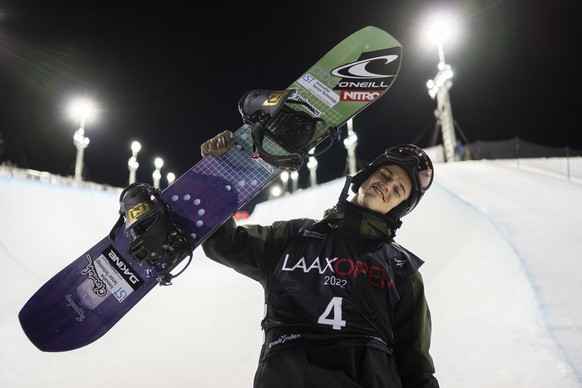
385	189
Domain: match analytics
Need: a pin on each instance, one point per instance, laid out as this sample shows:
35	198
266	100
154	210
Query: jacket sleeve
252	250
412	332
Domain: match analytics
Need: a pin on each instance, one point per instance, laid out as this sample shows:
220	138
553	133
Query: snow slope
501	246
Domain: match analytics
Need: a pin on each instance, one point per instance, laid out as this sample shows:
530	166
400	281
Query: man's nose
386	182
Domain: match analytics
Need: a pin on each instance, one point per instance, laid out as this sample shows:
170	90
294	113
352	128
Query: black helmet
417	165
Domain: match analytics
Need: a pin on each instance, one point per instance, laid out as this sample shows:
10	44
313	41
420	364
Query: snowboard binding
269	112
154	236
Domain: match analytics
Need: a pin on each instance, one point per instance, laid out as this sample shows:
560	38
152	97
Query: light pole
81	110
312	166
350	143
275	192
132	164
284	182
439	88
171	177
294	181
157	175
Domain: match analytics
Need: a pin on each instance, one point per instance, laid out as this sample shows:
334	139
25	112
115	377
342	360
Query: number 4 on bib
335	307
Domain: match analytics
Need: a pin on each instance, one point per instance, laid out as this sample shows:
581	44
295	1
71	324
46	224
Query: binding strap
292	162
269	113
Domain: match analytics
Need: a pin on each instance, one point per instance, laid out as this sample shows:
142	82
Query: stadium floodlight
276	191
157	174
171	177
284	182
132	164
82	110
312	166
443	29
350	142
294	181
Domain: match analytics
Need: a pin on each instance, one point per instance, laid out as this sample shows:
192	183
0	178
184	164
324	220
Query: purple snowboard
84	300
88	297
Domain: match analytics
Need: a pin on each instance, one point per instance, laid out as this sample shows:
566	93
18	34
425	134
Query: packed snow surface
501	241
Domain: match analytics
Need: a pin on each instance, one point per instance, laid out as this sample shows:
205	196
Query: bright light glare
276	191
442	29
135	147
82	109
158	162
132	163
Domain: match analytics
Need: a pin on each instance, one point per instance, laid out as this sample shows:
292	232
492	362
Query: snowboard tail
89	296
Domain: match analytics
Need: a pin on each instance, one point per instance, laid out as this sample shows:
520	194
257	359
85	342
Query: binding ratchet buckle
154	236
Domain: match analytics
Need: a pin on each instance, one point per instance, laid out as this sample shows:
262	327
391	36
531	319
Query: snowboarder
344	303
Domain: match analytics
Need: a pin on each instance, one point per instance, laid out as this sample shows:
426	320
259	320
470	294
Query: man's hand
218	145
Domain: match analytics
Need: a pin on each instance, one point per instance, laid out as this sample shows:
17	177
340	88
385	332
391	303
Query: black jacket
338	282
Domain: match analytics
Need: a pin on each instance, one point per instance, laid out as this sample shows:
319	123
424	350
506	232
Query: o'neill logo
366	78
359	69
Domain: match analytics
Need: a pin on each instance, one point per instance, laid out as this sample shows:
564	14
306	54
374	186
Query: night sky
169	74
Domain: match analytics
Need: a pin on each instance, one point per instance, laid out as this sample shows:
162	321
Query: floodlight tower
82	110
439	88
312	166
132	164
275	192
157	174
350	143
284	182
171	177
294	181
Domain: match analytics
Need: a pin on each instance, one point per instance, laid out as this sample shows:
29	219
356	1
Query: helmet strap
344	193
